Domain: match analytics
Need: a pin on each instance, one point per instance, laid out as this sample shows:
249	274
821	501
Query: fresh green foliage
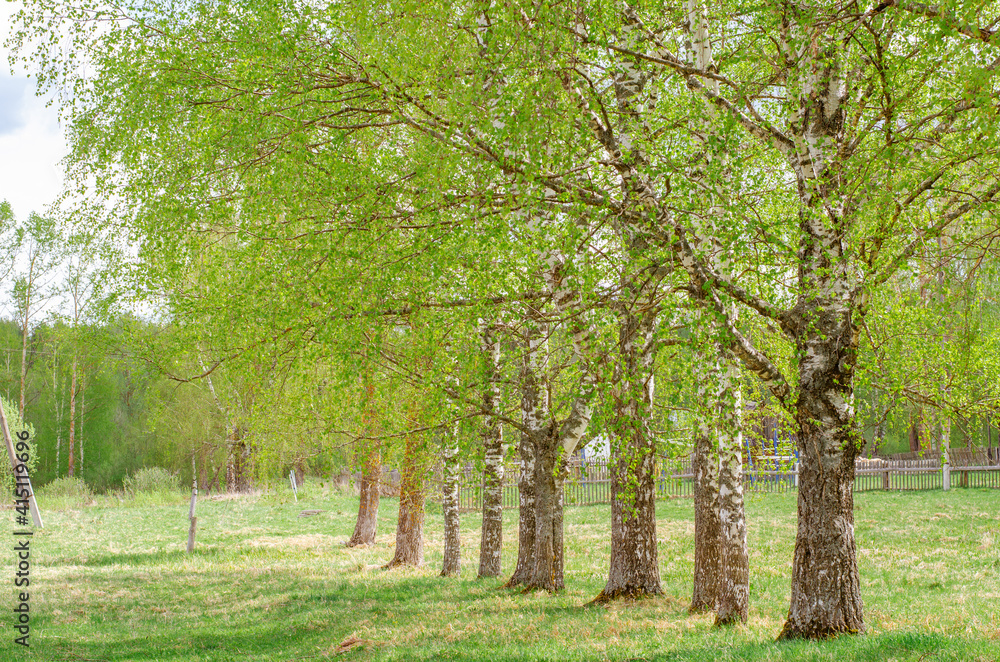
265	584
68	492
150	480
17	427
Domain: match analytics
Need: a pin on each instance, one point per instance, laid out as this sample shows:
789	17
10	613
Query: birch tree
861	175
491	543
845	120
33	285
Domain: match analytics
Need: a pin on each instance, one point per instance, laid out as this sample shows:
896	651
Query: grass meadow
111	581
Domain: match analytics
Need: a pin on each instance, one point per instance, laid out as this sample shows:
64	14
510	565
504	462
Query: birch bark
370	449
72	416
452	563
551	441
491	543
707	534
410	525
634	569
825	592
534	415
733	585
559	440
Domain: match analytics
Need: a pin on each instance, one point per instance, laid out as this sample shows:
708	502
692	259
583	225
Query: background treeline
151	388
131	413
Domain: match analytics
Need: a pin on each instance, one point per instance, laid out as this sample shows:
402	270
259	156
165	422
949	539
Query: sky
31	140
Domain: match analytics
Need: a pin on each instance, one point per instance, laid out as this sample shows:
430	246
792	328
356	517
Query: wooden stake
14	462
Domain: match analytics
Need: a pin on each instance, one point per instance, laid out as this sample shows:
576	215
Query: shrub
16	425
65	493
150	480
71	487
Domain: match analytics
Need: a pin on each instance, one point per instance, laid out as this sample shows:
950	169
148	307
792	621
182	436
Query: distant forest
129	414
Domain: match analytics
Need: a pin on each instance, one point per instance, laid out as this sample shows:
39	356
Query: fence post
796	473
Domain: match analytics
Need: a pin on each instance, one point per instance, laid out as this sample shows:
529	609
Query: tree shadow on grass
276	641
144	558
896	646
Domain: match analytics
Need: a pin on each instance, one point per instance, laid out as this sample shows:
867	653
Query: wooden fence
924	471
589	481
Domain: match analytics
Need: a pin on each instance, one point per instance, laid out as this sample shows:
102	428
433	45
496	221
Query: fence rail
589	481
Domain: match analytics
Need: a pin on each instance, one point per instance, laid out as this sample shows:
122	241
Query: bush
71	487
16	426
151	480
65	493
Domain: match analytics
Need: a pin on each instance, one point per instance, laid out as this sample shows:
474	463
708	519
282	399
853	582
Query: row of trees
43	266
378	202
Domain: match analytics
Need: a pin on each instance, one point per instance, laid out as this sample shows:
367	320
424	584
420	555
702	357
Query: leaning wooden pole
18	467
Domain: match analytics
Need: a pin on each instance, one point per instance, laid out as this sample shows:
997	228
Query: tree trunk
194	502
826	596
915	431
634	570
72	415
24	354
825	592
367	521
552	445
410	525
734	570
558	546
707	532
945	445
546	574
526	513
732	583
203	472
82	411
371	472
58	411
705	465
878	439
534	412
552	442
237	465
491	544
452	564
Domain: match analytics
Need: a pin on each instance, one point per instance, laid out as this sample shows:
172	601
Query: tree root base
396	563
696	609
728	620
633	593
790	632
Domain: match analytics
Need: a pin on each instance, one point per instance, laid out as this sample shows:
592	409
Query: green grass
113	582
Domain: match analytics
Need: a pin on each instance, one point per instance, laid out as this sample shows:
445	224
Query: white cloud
31	140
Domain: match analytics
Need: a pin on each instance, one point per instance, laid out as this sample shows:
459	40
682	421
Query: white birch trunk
733	586
534	418
491	544
452	564
72	415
